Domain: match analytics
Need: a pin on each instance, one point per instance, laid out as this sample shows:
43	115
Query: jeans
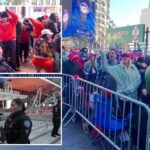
17	54
9	49
24	47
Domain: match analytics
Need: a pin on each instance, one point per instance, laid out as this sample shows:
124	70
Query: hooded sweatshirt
8	28
38	27
127	80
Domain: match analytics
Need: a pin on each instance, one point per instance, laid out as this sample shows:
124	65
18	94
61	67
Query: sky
127	12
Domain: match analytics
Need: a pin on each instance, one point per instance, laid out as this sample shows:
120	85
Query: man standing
19	29
56	119
106	79
8	22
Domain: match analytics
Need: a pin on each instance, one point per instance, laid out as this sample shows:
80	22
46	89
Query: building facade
111	24
33	2
102	21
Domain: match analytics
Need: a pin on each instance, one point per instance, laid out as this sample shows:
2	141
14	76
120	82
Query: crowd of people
25	40
109	70
123	73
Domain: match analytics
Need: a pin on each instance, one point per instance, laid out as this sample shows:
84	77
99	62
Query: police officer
18	125
56	118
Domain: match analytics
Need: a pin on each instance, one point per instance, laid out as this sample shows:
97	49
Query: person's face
84	9
49	38
93	58
15	107
56	18
65	18
112	55
83	56
125	60
4	19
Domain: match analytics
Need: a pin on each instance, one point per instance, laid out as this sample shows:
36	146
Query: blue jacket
128	80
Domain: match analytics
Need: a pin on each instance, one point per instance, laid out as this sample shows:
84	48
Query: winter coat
19	29
38	27
147	79
8	28
127	80
25	34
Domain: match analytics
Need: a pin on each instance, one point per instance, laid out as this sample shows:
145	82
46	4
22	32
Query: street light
135	36
146	47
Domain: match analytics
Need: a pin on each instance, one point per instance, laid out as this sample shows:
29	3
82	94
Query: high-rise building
34	2
102	21
144	19
111	24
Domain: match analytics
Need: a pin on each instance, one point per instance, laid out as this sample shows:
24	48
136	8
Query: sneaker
53	135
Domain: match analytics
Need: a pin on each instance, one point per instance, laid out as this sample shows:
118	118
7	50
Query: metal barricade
41	120
122	121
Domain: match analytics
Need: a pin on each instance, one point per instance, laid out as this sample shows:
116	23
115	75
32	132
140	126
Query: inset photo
30	111
30	39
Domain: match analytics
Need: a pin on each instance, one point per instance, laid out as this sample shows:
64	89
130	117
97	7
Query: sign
125	35
79	20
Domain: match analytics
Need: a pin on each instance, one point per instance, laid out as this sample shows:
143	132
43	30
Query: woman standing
126	75
18	125
43	55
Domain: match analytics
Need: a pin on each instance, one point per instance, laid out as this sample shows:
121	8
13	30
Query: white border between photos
44	73
61	127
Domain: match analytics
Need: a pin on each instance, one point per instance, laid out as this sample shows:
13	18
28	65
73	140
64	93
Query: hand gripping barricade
122	121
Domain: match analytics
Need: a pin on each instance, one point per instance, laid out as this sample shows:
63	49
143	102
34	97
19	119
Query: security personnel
18	125
56	119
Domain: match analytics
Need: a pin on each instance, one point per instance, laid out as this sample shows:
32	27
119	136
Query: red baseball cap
125	55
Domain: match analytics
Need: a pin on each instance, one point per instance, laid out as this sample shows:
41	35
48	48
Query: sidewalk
74	138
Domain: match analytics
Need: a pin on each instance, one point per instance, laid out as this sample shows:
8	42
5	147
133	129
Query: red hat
73	55
45	16
125	55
